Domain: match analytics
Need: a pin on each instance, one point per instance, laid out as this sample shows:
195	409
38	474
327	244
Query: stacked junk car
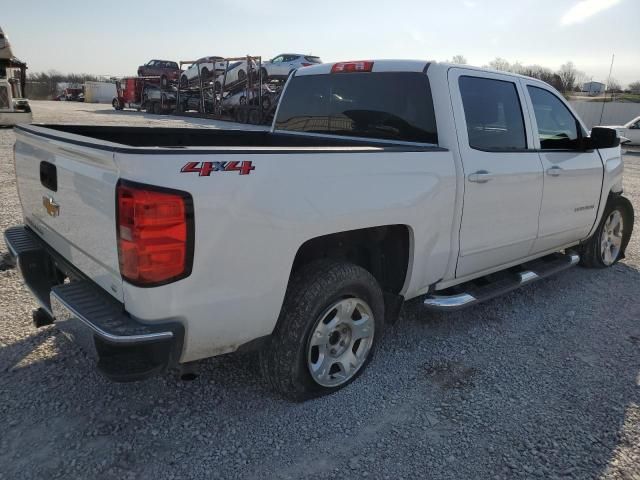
242	89
14	107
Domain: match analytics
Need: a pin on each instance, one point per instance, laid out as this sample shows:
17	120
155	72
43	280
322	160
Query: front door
573	175
503	173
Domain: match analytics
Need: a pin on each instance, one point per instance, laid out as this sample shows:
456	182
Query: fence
615	113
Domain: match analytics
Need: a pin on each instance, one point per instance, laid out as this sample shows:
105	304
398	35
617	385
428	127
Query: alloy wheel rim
340	342
611	239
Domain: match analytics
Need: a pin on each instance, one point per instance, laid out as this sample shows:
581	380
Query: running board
494	285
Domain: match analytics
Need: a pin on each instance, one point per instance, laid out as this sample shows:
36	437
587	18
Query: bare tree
634	87
542	73
614	86
459	59
500	64
568	74
581	79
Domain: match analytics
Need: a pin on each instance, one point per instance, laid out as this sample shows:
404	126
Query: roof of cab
402	66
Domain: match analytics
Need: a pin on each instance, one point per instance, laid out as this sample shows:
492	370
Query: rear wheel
329	326
116	104
608	243
242	75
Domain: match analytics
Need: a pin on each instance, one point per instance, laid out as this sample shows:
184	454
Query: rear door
503	174
572	175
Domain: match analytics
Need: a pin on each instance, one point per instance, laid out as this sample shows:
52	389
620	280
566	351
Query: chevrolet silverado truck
379	181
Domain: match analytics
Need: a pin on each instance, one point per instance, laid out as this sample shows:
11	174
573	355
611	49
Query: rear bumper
125	348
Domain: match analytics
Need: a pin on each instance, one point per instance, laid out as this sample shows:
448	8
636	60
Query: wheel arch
385	251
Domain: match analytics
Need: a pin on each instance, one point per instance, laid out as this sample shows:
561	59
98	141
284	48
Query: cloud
470	3
585	9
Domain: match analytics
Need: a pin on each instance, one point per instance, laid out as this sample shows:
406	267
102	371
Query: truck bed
138	137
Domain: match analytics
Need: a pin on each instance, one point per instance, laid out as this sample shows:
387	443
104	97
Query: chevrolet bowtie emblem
50	205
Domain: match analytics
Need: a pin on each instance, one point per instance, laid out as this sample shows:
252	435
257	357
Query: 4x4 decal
204	169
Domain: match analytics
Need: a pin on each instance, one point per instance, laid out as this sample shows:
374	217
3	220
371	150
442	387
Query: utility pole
605	90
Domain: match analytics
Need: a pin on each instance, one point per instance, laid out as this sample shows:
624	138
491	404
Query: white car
282	65
630	130
236	72
208	68
379	181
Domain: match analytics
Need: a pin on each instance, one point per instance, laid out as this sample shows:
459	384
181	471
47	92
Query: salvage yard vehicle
167	70
379	181
282	65
206	68
14	106
630	130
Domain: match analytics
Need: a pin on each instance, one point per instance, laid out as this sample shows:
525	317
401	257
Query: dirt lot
544	382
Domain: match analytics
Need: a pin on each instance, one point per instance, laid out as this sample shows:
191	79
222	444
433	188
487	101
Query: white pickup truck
379	181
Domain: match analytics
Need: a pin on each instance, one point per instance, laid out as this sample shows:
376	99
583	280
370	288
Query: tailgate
67	190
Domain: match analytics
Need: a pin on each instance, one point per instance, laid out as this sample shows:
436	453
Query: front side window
557	127
277	59
493	114
382	105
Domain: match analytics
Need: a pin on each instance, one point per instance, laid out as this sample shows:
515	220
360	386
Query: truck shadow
527	382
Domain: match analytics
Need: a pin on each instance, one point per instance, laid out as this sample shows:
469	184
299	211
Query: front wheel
608	243
329	326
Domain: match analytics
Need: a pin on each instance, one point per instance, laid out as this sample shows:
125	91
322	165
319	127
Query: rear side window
493	114
383	105
313	59
557	127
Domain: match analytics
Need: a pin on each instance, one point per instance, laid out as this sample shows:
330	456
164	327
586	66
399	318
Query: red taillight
355	66
155	234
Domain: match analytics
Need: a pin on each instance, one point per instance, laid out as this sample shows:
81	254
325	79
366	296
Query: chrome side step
471	293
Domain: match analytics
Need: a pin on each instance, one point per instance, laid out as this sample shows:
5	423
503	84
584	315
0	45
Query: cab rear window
383	105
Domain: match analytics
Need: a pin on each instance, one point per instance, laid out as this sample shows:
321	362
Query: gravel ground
543	382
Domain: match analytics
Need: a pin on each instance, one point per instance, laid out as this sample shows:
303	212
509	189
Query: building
593	88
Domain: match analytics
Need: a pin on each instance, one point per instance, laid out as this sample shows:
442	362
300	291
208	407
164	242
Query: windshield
383	105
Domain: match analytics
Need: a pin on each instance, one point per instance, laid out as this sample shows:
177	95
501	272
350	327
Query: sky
114	37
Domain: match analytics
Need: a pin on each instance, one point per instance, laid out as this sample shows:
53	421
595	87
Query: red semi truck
143	93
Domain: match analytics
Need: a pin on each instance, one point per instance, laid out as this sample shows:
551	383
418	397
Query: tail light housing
155	231
353	66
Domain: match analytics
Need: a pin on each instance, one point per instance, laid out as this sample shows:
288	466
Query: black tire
116	104
255	116
184	82
242	75
591	252
242	114
311	291
264	74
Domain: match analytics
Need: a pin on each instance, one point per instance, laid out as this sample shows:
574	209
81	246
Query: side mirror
602	137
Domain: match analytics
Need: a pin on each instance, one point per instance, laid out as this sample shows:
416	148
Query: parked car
209	67
167	70
236	73
379	181
282	65
630	130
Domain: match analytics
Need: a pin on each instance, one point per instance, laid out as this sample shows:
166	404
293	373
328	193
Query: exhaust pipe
41	318
188	371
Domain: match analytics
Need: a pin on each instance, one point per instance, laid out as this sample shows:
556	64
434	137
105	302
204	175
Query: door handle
554	171
481	176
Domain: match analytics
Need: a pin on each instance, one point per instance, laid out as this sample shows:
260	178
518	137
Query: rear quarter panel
248	229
